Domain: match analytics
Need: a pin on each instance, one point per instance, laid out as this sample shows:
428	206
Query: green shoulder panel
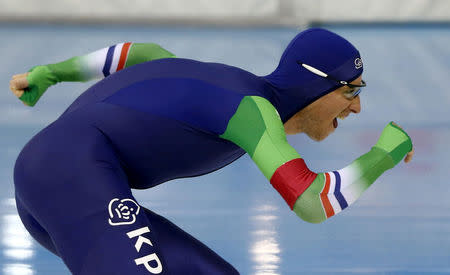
257	128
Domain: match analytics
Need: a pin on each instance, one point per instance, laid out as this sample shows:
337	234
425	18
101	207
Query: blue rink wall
401	225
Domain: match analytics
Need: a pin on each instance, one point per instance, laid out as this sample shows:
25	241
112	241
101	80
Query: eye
349	94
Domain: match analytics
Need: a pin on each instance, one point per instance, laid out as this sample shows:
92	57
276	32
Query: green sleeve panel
257	128
309	206
69	70
143	52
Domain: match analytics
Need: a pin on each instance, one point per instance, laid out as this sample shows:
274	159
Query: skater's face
319	119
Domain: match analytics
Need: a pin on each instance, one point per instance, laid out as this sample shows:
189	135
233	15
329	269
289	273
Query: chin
320	135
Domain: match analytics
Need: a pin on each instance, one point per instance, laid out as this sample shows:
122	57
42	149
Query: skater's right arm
29	87
257	128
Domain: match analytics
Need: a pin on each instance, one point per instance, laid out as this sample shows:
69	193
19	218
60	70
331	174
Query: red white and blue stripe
116	58
332	199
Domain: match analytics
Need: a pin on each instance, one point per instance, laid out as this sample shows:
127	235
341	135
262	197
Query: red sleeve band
292	179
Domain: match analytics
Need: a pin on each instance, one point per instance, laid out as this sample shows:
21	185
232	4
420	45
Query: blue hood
296	87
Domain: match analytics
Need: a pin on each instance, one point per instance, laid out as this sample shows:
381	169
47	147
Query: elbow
309	214
312	219
315	221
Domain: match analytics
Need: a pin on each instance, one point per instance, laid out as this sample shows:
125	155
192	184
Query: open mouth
335	123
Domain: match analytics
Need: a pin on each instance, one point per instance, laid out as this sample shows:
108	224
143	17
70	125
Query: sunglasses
355	88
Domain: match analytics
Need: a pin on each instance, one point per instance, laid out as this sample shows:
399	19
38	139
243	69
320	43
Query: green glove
39	80
395	142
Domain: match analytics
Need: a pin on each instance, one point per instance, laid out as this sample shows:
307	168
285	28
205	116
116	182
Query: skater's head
320	118
317	80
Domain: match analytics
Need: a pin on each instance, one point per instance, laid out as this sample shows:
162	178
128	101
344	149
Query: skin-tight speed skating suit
154	118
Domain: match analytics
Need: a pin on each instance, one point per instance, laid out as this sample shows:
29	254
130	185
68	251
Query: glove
395	141
40	78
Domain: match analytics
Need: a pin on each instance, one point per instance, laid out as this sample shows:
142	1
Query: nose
355	106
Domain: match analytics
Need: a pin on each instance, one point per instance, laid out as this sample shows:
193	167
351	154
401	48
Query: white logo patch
358	63
122	212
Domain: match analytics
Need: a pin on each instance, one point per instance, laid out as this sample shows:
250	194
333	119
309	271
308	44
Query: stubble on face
316	119
309	122
344	114
312	123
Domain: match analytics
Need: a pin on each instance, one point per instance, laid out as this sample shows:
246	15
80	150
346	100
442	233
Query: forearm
332	192
106	61
98	64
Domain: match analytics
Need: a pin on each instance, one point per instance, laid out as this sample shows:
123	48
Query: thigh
150	244
183	253
34	227
79	194
69	180
95	224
